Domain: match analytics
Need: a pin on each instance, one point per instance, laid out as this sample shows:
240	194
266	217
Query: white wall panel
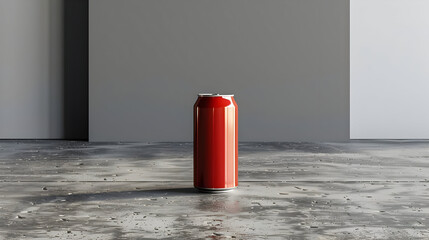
389	69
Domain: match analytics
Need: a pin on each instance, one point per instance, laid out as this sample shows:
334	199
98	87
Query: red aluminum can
215	142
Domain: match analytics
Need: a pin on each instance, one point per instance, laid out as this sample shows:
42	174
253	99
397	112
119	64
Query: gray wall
287	61
44	69
31	87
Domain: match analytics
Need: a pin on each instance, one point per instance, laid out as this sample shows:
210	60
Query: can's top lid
215	95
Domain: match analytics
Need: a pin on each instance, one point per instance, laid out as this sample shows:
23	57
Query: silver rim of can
215	95
215	190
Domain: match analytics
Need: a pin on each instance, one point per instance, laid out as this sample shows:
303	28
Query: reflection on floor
80	190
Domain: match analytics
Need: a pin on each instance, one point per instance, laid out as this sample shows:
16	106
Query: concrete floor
80	190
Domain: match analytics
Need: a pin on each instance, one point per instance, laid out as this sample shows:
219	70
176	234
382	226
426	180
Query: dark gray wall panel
76	69
287	61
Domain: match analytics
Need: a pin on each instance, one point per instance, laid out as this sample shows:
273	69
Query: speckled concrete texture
80	190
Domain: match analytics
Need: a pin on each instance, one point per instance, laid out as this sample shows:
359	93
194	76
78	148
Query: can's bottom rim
215	190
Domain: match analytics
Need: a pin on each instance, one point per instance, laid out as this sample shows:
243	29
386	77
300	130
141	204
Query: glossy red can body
215	142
